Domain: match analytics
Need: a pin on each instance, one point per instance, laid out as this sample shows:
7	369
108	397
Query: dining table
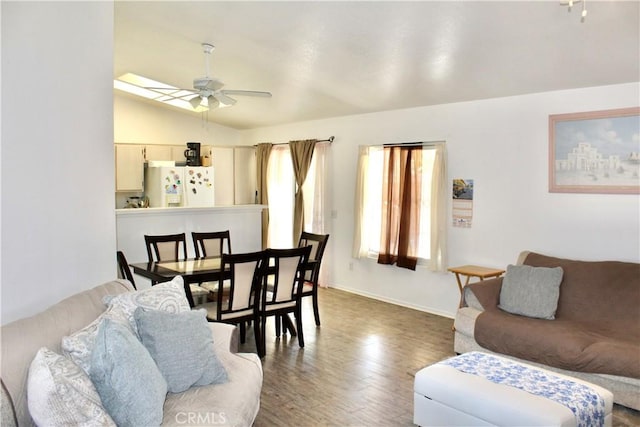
192	270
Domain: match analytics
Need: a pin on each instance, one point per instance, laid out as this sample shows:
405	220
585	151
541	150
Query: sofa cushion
61	394
128	381
167	296
561	343
597	292
531	291
181	344
234	403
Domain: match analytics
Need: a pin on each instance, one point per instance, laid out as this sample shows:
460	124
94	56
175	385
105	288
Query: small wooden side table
470	271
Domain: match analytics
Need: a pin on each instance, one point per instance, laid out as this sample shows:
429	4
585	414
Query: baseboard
396	302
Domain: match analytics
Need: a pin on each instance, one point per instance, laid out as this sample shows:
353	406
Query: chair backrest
318	243
123	269
166	247
283	272
242	274
211	244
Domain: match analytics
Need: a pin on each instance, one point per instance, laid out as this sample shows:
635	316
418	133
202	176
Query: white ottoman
480	389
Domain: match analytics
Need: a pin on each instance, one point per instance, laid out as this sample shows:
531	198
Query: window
282	185
430	242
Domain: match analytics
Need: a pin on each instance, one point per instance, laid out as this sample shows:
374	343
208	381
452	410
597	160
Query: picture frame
595	152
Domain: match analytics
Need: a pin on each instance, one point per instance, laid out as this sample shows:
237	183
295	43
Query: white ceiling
327	59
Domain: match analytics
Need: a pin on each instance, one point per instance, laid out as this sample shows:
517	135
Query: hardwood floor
357	368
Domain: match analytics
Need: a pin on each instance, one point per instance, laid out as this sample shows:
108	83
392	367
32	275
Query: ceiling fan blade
246	93
224	100
207	83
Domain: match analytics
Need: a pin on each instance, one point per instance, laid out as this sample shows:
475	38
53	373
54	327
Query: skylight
157	91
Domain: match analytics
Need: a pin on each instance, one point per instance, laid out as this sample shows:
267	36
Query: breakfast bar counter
244	223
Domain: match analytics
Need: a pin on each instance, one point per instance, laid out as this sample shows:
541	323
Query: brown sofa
595	334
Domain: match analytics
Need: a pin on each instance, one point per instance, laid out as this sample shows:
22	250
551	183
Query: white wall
58	222
141	123
500	143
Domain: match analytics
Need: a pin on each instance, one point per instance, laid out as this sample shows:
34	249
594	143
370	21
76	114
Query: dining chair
318	243
211	244
124	272
238	305
208	244
173	247
166	247
281	289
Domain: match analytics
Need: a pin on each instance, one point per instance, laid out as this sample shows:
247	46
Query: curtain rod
329	140
411	144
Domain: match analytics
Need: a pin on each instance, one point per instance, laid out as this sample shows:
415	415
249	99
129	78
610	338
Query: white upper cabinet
244	163
165	152
129	167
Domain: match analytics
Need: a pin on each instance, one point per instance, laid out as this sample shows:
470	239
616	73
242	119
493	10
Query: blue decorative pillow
182	346
127	379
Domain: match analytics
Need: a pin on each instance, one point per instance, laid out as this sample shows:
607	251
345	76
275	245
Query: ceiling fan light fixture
196	101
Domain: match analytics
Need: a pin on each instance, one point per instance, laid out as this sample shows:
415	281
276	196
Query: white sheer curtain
315	203
368	202
281	197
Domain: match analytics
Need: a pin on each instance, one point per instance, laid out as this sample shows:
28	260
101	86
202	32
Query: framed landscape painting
595	152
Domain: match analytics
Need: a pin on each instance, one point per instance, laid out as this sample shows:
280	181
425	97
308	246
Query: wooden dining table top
191	269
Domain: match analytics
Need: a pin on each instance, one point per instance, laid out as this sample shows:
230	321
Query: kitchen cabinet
234	169
244	164
165	152
222	162
129	167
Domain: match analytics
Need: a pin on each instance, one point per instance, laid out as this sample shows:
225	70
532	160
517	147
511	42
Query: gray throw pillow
182	346
531	291
127	379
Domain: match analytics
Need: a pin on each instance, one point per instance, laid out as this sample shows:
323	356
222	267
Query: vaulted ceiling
327	59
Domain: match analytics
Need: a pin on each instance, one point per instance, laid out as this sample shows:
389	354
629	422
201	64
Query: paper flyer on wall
462	207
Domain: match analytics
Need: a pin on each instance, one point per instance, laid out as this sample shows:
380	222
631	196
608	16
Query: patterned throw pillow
168	297
59	393
182	346
79	345
127	379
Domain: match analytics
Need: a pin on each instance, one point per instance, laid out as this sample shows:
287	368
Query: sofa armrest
225	337
487	292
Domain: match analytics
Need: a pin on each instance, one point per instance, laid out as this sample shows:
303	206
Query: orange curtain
401	198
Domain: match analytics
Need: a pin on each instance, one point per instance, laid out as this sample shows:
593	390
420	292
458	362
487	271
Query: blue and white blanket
587	405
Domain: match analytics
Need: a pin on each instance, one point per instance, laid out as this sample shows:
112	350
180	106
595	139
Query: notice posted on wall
462	202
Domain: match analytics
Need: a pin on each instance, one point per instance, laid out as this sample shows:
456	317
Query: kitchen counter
188	210
244	223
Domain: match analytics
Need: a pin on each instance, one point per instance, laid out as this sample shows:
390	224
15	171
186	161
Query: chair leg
277	320
299	326
262	350
316	311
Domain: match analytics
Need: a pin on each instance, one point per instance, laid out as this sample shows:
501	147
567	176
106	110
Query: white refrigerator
164	186
198	186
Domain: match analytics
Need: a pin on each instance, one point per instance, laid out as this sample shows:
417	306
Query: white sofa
235	402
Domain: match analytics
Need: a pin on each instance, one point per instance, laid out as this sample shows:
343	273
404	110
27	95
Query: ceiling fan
209	90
